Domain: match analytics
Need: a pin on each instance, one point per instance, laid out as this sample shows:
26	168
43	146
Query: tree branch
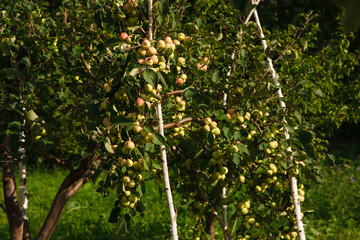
69	187
213	210
180	122
56	160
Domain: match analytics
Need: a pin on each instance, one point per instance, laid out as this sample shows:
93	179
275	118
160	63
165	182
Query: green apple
131	184
162	66
129	163
187	40
129	145
242	178
258	189
149	88
181	36
207	128
181	61
244	211
273	144
141	52
126	179
234	149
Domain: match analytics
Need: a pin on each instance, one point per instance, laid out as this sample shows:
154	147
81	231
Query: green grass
85	215
335	205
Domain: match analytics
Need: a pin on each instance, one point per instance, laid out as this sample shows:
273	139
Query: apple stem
294	188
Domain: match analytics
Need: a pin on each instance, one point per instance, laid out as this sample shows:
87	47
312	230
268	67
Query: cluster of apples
203	64
131	175
212	126
130	13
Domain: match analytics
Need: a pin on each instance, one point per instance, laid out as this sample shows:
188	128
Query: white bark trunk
294	188
170	202
23	193
174	234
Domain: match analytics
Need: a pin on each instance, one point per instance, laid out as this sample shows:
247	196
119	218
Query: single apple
181	61
146	44
129	145
181	36
160	44
123	36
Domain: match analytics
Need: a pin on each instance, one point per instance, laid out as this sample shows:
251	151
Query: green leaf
259	170
157	165
236	158
85	154
149	129
318	92
190	93
32	116
134	72
243	148
147	164
113	42
26	61
114	215
215	76
158	139
122	121
77	50
210	139
228	130
139	206
297	115
150	77
108	145
261	207
164	79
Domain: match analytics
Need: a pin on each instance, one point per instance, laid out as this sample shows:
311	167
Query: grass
86	214
334	204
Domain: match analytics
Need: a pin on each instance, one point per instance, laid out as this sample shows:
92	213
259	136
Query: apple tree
114	95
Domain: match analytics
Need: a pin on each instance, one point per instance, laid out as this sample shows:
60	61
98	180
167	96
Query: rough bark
16	224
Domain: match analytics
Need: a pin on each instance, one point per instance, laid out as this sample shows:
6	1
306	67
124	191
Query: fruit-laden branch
294	189
213	210
69	187
16	224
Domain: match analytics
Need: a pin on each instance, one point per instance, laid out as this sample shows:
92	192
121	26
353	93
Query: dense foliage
87	81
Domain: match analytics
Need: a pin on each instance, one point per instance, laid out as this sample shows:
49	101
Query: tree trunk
16	223
70	186
210	224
